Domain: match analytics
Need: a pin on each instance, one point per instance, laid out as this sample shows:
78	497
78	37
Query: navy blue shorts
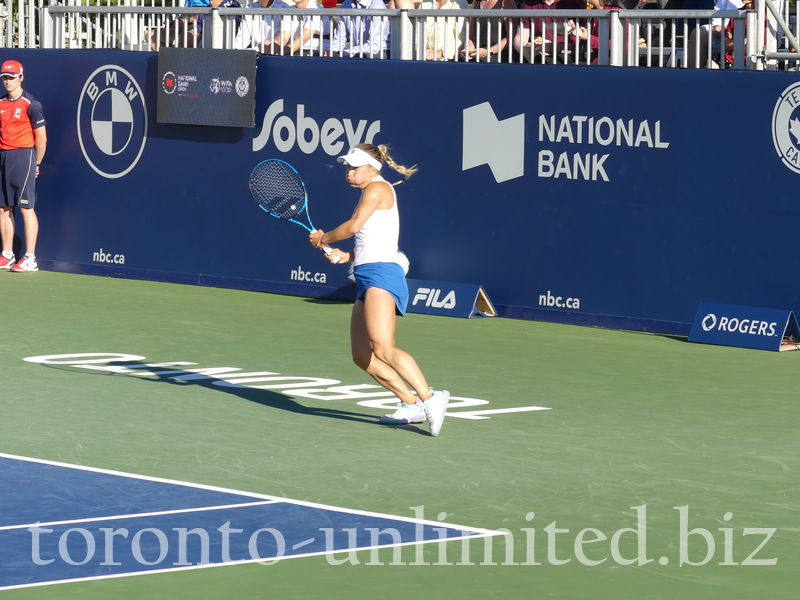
18	175
386	276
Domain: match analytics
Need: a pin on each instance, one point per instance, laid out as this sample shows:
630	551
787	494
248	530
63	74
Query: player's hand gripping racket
278	189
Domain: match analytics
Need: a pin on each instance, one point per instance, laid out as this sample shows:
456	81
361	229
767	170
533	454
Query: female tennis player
382	289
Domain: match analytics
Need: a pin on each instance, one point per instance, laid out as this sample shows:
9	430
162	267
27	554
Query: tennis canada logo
242	86
112	121
786	127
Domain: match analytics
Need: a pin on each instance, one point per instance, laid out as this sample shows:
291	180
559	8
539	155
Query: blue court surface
61	522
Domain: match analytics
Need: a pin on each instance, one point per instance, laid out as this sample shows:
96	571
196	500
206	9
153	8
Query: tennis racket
279	190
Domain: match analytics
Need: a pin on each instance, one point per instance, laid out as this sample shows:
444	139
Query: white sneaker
407	413
26	264
435	409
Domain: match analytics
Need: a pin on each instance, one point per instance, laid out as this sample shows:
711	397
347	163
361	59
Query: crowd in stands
450	38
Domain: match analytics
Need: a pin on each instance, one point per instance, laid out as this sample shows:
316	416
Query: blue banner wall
600	196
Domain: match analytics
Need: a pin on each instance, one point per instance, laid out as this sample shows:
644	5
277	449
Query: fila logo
488	141
431	298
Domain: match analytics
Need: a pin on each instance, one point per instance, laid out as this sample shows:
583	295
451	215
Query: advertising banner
745	327
449	299
208	87
625	211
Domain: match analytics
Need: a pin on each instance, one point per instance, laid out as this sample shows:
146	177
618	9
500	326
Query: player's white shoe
435	409
407	413
26	264
6	263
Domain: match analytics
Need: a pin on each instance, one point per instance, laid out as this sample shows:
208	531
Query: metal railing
651	38
780	45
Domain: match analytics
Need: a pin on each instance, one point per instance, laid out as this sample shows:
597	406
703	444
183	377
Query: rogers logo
734	325
709	322
309	135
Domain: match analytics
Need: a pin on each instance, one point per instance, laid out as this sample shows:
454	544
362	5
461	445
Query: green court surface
634	420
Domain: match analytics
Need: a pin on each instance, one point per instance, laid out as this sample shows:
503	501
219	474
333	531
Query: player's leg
364	357
380	320
31	224
7	236
6	212
20	179
7	227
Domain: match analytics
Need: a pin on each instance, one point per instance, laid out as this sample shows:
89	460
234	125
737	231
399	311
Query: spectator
712	34
443	35
588	33
183	32
361	36
257	32
543	35
485	43
219	4
302	35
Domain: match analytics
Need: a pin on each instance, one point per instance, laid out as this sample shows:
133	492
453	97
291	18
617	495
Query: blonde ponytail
381	153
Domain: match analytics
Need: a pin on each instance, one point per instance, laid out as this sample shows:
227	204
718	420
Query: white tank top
377	240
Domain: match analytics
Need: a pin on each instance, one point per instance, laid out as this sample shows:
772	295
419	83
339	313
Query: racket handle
327	249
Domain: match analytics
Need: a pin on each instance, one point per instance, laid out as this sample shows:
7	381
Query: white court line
268	560
199	486
469	532
475	530
138	515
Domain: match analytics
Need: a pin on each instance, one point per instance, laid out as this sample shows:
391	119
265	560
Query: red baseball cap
11	67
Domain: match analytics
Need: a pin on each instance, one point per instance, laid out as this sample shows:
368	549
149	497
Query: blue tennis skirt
386	276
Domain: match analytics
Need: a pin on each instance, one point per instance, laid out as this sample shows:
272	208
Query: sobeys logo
285	131
786	127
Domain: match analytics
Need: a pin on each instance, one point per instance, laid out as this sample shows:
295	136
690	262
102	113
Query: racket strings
278	189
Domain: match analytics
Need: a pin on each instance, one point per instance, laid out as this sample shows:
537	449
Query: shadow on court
266	398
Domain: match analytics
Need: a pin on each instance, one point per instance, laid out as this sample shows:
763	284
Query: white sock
8	254
29	255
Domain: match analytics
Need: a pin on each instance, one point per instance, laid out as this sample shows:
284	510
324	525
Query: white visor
356	157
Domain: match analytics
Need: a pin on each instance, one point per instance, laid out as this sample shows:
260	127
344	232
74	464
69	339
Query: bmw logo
112	121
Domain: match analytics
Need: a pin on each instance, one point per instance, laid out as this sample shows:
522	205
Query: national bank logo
112	121
489	141
786	127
